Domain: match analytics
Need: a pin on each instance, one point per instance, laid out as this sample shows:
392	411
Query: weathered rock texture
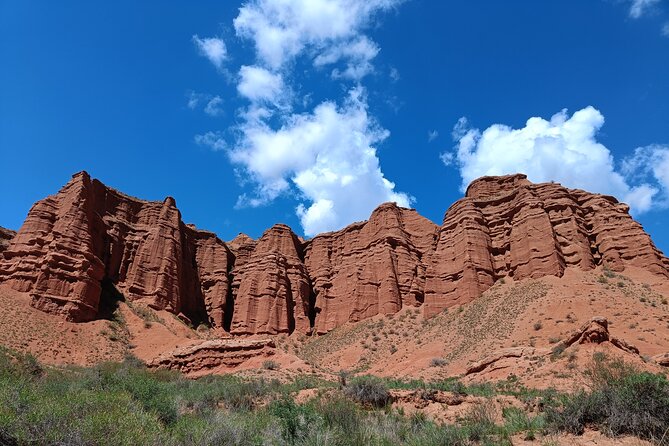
88	234
594	331
78	245
6	236
213	354
507	226
370	268
271	287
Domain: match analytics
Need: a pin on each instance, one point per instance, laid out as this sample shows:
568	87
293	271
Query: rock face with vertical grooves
271	286
370	268
508	226
78	246
88	234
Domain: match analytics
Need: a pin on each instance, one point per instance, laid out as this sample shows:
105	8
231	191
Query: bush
270	365
622	401
369	391
438	362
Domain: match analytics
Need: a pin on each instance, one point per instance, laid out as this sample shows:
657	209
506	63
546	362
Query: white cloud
665	29
213	140
282	29
213	107
258	85
328	155
563	149
432	135
358	53
641	7
213	49
650	164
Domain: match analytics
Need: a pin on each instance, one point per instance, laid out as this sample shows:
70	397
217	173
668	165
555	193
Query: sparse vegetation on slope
126	404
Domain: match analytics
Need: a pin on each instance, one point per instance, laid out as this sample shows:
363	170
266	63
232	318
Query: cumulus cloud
329	155
283	29
213	49
650	164
641	7
326	157
258	84
432	135
563	149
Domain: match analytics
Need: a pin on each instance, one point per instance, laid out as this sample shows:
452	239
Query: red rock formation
88	233
54	253
595	331
370	268
210	262
271	286
507	226
209	355
242	247
6	236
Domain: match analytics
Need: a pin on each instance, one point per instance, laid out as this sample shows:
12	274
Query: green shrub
622	401
270	365
368	390
294	419
438	362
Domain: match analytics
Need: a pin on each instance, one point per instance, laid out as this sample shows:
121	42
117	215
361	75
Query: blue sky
313	112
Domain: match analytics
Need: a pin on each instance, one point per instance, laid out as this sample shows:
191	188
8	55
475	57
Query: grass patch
126	404
621	401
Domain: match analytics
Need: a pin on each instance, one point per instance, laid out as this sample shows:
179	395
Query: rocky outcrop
88	239
213	354
88	234
370	268
662	359
507	226
271	287
242	247
6	236
595	331
506	353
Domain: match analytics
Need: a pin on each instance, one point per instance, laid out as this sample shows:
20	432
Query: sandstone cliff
370	268
87	234
507	226
271	286
76	247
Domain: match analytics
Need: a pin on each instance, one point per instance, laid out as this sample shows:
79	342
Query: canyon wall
508	226
89	242
89	236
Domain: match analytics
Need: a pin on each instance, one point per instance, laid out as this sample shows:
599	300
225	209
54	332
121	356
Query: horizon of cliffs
79	248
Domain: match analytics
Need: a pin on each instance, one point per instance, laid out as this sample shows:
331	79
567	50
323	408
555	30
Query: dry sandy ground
536	314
